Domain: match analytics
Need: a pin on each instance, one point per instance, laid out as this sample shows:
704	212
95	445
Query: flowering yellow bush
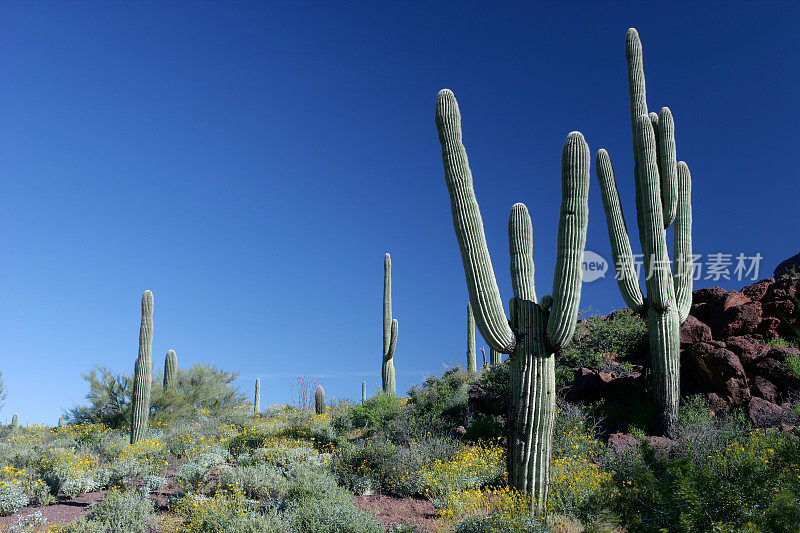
574	479
151	453
471	467
68	461
503	507
201	513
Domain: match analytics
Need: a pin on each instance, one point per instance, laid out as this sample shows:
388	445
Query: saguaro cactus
61	423
472	361
363	391
14	421
319	400
143	372
170	371
389	330
257	397
534	334
495	357
663	196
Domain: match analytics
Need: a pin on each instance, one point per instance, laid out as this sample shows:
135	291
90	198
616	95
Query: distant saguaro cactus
14	421
363	391
472	361
663	196
319	400
257	397
143	372
533	334
170	371
389	330
61	423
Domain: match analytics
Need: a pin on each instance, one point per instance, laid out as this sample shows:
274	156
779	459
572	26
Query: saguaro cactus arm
468	224
572	221
667	165
520	247
472	358
682	247
621	252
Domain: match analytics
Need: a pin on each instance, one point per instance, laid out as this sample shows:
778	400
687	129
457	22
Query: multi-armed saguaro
170	371
663	196
319	400
535	332
389	330
257	397
143	372
472	360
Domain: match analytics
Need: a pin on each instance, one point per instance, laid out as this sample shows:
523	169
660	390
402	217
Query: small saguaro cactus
534	334
663	197
363	391
14	421
61	423
257	397
170	370
472	361
143	372
319	400
389	330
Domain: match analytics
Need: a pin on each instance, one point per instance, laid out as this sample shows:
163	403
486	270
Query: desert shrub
314	502
228	511
602	342
376	412
190	474
12	498
72	472
259	481
28	482
752	482
123	512
490	510
469	468
436	406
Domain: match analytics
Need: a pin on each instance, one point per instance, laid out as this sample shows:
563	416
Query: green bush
376	412
260	481
123	512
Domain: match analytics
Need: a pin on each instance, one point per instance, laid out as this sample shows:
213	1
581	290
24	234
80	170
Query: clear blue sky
250	163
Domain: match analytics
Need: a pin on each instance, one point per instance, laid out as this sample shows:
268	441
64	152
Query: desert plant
2	391
389	330
61	423
472	361
534	332
495	357
170	370
663	196
257	397
143	372
319	400
14	421
363	391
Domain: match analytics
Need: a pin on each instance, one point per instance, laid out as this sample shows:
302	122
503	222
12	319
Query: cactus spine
472	361
319	400
170	371
389	330
363	391
14	421
257	397
143	372
534	334
663	197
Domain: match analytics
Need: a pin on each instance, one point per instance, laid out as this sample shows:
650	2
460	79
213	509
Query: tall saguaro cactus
363	391
257	397
535	333
472	361
170	371
389	330
14	421
143	372
319	400
663	197
61	423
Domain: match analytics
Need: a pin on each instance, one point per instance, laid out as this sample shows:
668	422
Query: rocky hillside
731	354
